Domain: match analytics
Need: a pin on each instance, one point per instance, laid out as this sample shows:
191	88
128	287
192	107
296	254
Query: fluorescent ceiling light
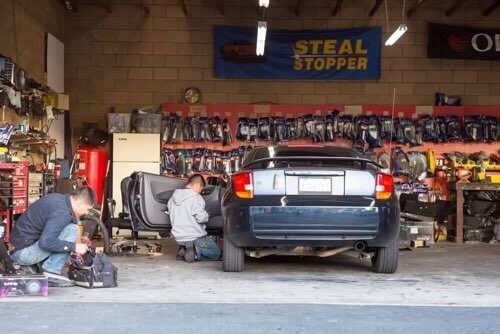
400	31
261	38
264	3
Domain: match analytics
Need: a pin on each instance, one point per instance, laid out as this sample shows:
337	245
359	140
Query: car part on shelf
491	132
431	162
384	160
243	129
401	164
309	125
227	137
453	128
386	127
418	165
216	129
374	133
205	133
199	159
370	154
300	128
278	129
253	130
264	128
331	128
319	129
187	130
443	100
290	131
473	128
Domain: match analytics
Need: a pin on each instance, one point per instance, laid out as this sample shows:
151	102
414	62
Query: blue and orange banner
312	54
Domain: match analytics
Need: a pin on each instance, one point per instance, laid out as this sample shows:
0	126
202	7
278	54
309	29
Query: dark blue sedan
310	200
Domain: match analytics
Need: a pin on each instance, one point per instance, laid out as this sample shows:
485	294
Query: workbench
460	187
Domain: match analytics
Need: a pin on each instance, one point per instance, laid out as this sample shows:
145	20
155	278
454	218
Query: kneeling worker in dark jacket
188	217
47	231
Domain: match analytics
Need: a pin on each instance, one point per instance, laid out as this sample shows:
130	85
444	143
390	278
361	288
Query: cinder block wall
23	26
128	59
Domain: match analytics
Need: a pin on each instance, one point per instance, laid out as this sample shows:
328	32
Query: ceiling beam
455	7
298	8
491	8
375	7
184	8
220	6
414	8
336	9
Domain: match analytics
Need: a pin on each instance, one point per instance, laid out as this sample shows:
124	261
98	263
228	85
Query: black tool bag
100	273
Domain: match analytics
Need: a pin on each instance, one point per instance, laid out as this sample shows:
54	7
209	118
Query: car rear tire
386	259
233	257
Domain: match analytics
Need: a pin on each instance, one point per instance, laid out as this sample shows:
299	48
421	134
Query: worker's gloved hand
81	249
86	240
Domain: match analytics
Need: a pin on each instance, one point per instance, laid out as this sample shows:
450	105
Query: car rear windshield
284	157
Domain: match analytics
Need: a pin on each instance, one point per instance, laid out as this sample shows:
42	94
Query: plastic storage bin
147	123
119	123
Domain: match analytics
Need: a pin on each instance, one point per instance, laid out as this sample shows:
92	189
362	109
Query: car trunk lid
314	182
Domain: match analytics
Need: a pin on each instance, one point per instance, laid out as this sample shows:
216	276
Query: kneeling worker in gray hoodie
188	216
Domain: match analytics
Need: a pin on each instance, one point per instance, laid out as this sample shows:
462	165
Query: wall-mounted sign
463	42
322	54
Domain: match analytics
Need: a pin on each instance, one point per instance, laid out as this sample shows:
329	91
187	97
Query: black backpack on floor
93	271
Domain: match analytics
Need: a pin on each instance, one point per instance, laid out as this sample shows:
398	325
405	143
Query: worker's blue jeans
205	248
55	261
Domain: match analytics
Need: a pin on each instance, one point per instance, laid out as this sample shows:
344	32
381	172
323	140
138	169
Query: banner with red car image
456	42
307	54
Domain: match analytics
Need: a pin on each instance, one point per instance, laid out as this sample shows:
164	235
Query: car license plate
315	185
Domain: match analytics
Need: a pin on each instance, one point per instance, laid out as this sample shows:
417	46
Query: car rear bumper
254	223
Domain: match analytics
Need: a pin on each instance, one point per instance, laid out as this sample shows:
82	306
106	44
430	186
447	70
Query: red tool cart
13	193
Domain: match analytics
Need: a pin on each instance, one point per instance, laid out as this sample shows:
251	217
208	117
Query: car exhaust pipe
360	246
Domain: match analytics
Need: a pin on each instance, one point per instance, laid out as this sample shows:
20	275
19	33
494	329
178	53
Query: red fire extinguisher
57	171
92	166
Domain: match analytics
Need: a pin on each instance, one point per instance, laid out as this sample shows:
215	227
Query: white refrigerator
133	152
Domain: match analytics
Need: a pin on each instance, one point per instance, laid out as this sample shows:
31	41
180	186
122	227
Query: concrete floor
154	318
442	275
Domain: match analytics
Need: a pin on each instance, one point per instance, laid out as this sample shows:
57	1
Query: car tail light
243	184
383	189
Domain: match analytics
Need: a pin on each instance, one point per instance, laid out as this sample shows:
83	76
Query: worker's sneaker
56	280
180	253
189	255
28	270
